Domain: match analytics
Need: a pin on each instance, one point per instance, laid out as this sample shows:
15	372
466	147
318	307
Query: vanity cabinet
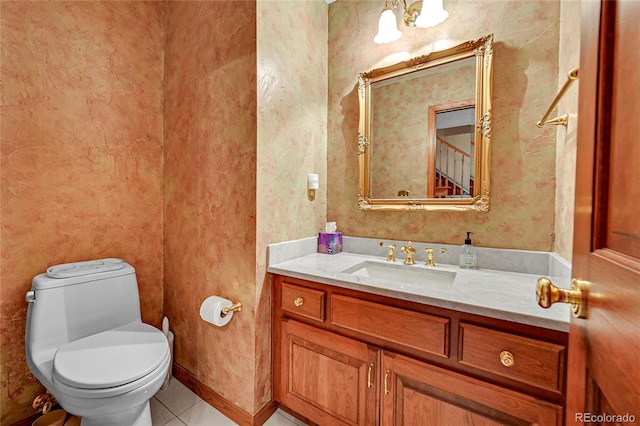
417	393
343	357
326	377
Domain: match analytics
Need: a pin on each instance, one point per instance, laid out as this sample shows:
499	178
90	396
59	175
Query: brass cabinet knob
507	359
548	294
299	301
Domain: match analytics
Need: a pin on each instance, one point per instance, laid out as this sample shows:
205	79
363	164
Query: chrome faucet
391	255
409	251
431	257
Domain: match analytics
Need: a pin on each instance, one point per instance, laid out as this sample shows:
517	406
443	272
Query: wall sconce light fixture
421	14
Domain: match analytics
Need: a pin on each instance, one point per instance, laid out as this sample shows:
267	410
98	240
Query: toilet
86	342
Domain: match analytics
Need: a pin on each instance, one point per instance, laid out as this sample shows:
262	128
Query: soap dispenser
468	257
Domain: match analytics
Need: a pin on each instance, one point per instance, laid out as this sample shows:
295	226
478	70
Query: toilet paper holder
236	307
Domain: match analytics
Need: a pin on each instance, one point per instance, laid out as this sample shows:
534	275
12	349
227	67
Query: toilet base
139	416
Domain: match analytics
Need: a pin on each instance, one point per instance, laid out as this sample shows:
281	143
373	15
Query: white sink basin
405	274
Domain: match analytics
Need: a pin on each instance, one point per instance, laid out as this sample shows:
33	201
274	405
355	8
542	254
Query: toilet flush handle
31	296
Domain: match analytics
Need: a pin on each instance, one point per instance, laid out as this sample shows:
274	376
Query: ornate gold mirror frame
478	199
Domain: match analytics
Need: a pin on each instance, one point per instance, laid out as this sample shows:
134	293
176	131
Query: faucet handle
391	256
431	255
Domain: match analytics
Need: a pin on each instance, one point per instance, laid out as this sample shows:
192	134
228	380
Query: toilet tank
75	300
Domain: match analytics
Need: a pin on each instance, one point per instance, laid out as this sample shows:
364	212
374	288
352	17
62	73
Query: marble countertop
492	293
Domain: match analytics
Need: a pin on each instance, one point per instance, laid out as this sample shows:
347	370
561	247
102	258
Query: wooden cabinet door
419	394
330	379
604	362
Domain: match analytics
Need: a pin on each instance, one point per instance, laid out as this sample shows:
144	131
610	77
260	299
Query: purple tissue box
330	242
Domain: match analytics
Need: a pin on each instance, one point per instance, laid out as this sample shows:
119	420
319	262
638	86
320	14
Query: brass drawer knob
298	302
506	358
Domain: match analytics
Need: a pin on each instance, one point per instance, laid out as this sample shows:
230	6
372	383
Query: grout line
197	400
170	420
168	409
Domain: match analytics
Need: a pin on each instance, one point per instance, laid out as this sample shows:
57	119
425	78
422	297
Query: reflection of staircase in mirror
454	177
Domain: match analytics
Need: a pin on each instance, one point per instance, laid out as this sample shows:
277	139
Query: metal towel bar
563	119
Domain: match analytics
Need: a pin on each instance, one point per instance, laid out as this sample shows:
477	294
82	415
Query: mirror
424	134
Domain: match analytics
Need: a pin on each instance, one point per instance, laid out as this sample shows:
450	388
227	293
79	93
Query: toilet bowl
86	343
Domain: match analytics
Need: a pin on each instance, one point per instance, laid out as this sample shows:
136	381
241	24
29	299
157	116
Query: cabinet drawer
303	301
427	333
526	360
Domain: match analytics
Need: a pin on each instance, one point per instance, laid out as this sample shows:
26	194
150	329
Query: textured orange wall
109	74
81	156
567	136
210	189
523	156
222	206
292	117
292	142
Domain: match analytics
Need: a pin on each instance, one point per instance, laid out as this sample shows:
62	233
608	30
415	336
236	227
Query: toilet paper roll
211	310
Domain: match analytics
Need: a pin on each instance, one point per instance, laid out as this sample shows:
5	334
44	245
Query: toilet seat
112	362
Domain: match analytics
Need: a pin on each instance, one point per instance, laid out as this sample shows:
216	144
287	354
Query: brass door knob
298	302
548	294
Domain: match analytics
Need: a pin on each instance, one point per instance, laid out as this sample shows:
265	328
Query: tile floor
176	405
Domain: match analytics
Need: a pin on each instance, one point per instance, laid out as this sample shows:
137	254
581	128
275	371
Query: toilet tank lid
76	269
80	272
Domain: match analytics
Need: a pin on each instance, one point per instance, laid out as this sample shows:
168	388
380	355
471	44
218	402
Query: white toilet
86	342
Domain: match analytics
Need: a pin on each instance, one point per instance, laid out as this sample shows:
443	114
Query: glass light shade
387	27
432	14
